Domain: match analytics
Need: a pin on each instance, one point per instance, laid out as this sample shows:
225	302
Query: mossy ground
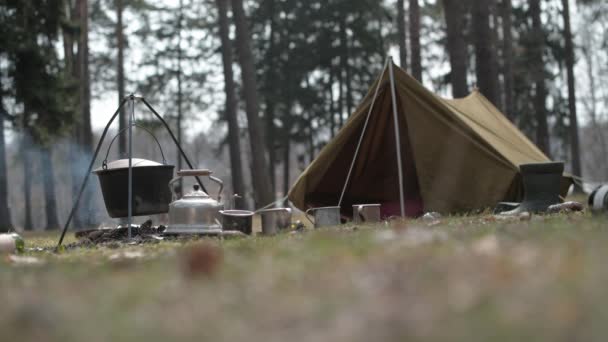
465	278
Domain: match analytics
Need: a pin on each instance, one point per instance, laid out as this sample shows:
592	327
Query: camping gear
457	155
366	213
275	220
149	192
11	243
196	212
324	216
598	199
505	206
237	220
541	187
130	99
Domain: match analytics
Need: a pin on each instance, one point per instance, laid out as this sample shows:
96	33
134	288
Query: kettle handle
221	184
194	173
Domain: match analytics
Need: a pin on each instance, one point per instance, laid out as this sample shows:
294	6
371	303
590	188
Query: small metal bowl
237	220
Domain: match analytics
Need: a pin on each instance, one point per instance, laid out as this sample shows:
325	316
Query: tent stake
397	137
369	113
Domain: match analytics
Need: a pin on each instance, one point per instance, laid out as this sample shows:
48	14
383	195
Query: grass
465	278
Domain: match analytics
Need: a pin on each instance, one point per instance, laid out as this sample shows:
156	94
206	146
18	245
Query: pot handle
104	164
307	213
171	185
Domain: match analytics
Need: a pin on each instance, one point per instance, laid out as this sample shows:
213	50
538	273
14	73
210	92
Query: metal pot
237	220
366	213
150	178
275	220
324	216
196	212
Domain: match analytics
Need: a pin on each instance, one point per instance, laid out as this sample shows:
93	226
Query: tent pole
397	136
369	113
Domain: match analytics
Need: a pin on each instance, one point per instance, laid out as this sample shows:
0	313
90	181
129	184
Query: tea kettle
195	212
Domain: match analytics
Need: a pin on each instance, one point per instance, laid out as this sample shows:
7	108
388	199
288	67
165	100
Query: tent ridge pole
397	137
369	113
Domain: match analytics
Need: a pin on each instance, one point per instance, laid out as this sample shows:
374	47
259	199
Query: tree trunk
260	174
507	57
537	68
238	186
5	215
402	34
73	72
340	96
597	131
332	109
179	92
120	77
286	158
574	140
344	65
485	58
270	98
415	40
48	180
495	55
25	152
457	46
85	134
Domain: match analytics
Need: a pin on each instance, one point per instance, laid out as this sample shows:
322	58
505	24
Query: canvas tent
456	155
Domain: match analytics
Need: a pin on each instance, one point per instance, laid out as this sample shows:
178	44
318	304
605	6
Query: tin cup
324	216
275	220
366	213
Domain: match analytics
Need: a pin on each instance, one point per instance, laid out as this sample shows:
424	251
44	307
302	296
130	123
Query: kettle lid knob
196	187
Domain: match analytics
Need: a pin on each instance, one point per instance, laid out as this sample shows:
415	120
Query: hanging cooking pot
150	193
196	212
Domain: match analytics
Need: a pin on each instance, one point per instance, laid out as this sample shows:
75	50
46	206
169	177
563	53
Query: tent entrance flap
375	177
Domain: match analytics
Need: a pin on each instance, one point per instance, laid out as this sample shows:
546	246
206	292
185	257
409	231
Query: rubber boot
542	183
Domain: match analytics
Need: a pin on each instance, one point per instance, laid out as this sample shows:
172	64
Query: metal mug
275	220
324	216
366	213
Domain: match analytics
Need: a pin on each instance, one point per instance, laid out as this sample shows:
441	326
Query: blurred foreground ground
467	279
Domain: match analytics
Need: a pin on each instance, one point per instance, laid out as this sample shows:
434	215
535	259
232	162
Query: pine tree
538	75
507	57
457	46
574	139
230	112
414	12
402	33
260	173
5	214
485	57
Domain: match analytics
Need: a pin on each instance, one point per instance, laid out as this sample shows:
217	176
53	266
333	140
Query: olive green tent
456	155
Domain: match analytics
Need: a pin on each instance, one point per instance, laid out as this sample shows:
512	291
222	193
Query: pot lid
196	193
124	164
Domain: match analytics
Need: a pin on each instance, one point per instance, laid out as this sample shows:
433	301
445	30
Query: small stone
431	216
